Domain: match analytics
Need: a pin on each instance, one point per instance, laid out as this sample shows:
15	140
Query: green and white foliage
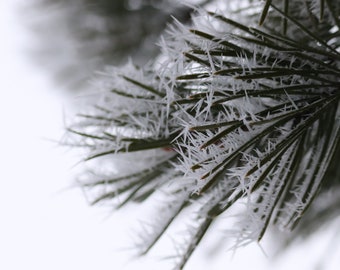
231	111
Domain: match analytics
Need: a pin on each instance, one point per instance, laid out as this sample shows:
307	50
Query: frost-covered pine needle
230	110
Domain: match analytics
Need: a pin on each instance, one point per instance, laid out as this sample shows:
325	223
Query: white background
45	224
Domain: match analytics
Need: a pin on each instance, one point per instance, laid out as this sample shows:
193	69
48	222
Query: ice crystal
233	111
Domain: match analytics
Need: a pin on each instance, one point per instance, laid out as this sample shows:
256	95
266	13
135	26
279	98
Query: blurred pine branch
78	37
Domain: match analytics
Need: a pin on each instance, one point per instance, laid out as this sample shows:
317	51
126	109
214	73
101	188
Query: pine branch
235	111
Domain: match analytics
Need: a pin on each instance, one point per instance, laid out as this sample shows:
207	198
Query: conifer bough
241	106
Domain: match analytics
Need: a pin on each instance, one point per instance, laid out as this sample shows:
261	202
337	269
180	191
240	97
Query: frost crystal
232	110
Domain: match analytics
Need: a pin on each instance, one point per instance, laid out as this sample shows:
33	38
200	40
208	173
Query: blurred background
46	65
